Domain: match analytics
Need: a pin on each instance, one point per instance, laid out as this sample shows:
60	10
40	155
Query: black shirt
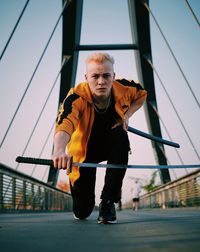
103	122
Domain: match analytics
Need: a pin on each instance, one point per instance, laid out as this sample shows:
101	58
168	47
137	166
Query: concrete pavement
171	230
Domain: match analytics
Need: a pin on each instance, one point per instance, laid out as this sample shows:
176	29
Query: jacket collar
118	90
83	90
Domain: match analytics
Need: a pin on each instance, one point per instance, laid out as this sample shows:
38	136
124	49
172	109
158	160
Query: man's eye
95	76
106	76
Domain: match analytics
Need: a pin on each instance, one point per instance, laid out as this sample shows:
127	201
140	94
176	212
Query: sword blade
39	161
123	166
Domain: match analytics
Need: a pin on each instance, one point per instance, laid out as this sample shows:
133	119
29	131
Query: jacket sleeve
129	83
138	91
69	113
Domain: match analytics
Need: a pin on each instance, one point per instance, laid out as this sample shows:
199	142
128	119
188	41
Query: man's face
100	77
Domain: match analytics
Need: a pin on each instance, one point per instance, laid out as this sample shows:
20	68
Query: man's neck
102	102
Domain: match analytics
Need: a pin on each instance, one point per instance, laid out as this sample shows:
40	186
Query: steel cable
193	14
30	81
13	31
42	110
172	104
172	53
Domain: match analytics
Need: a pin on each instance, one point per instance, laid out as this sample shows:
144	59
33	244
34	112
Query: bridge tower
139	22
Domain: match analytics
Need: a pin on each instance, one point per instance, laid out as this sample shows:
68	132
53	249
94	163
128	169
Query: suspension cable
30	81
172	104
44	145
65	59
173	55
164	154
166	130
64	62
13	31
6	190
42	150
192	12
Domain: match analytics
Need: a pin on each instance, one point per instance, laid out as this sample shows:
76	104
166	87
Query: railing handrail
20	192
17	174
182	192
173	183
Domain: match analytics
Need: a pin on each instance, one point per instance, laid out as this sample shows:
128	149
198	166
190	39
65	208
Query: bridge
37	217
173	230
35	210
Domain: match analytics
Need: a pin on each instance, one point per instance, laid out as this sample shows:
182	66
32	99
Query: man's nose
101	80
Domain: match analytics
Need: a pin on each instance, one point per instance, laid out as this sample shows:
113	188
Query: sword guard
69	164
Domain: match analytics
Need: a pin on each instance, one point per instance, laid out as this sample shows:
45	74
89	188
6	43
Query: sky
103	22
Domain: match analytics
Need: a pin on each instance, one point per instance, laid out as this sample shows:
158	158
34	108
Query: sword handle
39	161
69	164
30	160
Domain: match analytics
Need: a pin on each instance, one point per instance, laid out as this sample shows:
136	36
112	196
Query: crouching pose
92	127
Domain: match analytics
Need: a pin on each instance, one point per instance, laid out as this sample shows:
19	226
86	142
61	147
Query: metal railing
20	192
183	192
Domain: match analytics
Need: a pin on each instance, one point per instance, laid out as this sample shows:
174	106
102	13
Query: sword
152	137
39	161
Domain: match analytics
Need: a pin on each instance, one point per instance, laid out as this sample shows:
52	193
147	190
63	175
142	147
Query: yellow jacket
76	115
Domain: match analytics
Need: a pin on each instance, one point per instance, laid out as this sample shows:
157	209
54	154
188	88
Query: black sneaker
107	213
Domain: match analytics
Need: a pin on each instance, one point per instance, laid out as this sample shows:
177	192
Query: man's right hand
60	160
60	157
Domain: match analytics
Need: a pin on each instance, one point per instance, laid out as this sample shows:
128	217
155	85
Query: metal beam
107	47
139	19
72	17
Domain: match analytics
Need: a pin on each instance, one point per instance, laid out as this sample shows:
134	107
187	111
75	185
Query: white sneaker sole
107	222
75	218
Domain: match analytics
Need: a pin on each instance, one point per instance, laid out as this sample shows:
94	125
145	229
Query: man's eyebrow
107	73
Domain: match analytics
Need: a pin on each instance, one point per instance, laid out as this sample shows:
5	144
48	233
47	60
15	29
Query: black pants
115	150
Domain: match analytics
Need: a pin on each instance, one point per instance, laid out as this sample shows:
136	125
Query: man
136	194
92	123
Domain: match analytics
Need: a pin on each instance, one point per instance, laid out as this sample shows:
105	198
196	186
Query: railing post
13	193
1	191
197	191
39	199
46	199
32	197
24	195
163	200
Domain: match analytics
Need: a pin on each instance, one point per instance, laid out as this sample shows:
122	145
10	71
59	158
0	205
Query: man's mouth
101	89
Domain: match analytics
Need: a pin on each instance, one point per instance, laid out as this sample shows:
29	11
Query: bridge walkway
153	230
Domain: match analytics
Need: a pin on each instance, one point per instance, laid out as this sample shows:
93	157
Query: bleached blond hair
99	57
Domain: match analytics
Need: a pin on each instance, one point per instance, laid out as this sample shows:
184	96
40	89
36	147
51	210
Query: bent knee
82	210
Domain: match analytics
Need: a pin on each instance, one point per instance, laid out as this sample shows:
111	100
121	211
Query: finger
64	163
55	162
125	126
115	125
60	161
